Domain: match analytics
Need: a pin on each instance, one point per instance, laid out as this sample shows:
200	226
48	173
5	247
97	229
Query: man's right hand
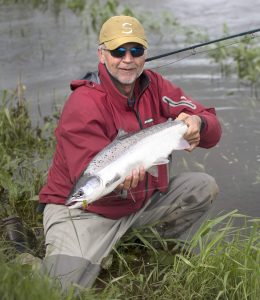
132	181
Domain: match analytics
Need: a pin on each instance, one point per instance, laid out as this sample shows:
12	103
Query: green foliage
54	5
93	13
99	16
76	5
25	153
19	282
247	58
221	261
243	59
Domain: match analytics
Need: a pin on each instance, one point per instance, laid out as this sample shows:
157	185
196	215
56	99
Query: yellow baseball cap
119	30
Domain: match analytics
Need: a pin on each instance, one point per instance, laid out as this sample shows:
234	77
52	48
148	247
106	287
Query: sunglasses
121	51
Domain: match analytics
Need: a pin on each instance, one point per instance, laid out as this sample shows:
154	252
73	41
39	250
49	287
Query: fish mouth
76	204
77	197
72	200
70	203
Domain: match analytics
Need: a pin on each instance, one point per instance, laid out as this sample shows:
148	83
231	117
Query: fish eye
79	194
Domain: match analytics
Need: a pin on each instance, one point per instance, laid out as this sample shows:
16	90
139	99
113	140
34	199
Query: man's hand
132	180
193	133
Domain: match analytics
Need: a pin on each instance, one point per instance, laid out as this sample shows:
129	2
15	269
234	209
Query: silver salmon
149	148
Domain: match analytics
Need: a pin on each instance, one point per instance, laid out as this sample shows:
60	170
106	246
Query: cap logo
127	28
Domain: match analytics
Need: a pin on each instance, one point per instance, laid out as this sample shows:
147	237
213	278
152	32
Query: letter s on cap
127	28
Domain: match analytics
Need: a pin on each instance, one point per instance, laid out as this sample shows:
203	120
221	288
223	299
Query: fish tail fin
182	144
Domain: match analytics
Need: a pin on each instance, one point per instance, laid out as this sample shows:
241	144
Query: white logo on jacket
182	102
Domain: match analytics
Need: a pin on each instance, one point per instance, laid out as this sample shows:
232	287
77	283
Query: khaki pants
77	241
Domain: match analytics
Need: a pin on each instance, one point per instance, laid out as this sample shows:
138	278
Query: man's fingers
182	116
137	176
132	181
141	173
119	188
127	183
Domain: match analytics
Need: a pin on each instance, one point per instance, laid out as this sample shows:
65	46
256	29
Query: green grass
25	153
221	261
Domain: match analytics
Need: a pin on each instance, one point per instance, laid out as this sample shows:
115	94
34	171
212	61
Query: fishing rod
202	44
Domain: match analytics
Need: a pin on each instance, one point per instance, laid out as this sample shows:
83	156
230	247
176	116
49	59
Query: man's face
124	69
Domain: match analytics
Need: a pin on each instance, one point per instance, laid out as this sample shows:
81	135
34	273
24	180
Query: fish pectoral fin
153	171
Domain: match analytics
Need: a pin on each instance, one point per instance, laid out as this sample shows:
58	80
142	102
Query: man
121	96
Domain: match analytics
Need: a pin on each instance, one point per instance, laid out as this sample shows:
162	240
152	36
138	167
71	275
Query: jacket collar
118	99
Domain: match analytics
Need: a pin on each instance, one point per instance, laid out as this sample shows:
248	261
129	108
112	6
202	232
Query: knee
207	185
210	184
199	187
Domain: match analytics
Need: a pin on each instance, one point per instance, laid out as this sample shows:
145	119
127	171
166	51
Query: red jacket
91	119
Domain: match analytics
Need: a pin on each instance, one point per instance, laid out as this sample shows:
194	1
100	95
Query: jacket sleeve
174	101
81	132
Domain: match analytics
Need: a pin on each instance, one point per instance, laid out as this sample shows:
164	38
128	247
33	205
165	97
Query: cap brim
115	43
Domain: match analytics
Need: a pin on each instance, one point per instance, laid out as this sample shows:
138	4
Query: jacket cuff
203	123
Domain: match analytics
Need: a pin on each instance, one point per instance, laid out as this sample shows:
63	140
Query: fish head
87	190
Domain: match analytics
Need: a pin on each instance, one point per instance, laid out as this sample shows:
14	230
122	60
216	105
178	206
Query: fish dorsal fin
121	134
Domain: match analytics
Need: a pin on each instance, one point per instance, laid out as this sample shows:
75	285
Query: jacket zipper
138	119
137	114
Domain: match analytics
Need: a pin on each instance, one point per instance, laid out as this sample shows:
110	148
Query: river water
46	52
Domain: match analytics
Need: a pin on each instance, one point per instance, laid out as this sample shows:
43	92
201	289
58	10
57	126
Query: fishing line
171	62
195	52
131	193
